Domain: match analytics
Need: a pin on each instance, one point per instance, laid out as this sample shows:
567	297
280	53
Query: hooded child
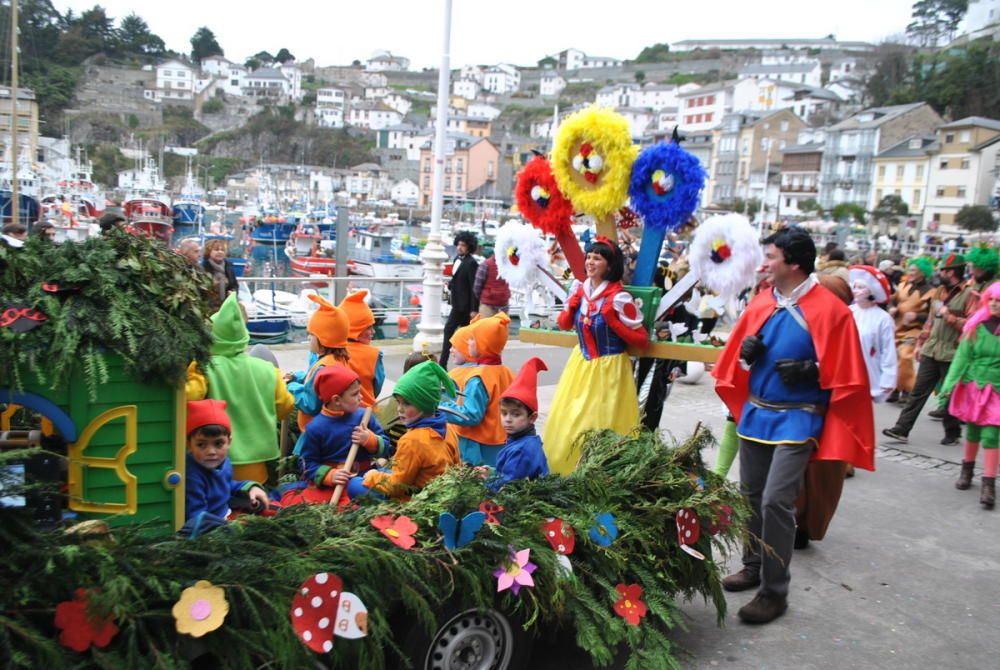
364	358
476	414
330	435
522	456
328	332
253	388
210	484
429	446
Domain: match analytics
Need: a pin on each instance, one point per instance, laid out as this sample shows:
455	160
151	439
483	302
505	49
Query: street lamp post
433	255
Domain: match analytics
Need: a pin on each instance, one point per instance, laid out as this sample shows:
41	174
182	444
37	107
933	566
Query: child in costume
480	383
429	446
328	330
973	384
210	484
522	457
332	432
876	328
364	358
910	308
254	389
596	390
387	410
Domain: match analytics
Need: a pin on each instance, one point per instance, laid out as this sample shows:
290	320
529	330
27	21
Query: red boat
316	265
150	216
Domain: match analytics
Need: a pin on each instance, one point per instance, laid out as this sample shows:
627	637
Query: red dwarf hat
874	279
358	312
206	413
333	380
525	384
329	323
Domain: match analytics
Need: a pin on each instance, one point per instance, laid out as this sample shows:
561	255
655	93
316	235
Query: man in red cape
793	376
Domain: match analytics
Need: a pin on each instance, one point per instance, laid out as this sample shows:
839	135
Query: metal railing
327	287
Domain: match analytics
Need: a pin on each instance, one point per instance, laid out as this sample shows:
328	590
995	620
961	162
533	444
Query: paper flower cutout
79	630
399	530
516	572
493	512
592	160
688	532
605	530
201	609
539	199
560	536
721	522
630	606
696	481
665	186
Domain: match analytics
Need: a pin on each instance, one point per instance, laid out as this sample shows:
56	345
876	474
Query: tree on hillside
889	72
135	37
976	218
204	44
640	76
658	53
935	20
548	61
259	59
284	55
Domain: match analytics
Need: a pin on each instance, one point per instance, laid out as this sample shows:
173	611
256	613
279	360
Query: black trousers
659	388
456	320
930	373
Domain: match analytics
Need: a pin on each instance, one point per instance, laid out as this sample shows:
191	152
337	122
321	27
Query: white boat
380	254
297	307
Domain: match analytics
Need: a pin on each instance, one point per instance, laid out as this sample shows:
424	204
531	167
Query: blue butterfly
456	534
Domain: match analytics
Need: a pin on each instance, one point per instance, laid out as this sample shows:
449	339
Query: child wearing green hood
429	446
253	388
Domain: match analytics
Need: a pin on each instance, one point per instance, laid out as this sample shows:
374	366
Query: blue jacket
327	441
521	458
209	490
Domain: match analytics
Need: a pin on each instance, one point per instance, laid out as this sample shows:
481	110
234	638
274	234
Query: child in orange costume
480	383
365	359
429	446
328	329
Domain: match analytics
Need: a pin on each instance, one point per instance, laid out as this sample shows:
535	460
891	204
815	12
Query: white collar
793	298
589	292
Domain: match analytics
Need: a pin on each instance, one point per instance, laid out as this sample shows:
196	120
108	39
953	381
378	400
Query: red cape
849	428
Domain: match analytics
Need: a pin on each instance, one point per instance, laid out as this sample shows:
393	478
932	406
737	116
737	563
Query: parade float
95	341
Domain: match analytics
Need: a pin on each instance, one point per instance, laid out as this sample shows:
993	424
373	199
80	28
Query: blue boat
272	232
28	211
189	216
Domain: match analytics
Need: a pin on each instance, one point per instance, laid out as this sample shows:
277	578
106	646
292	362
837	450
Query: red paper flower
560	536
79	630
493	511
722	520
399	530
630	606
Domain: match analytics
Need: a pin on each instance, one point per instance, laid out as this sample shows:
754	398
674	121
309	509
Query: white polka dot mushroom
313	612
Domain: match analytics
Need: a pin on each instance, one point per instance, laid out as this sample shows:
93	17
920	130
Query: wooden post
351	455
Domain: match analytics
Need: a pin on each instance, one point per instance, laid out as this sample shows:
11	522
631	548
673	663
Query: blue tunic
522	457
208	490
327	440
783	338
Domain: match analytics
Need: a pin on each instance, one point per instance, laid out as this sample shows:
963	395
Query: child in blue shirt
210	485
522	456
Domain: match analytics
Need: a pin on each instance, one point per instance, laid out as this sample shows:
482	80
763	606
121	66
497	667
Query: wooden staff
351	455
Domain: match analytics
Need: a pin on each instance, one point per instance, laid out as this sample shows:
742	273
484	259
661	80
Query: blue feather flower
665	185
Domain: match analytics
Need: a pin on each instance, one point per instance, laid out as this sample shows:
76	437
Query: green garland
119	293
260	564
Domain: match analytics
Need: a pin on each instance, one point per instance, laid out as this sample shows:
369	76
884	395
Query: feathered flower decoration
520	251
539	199
592	159
725	254
665	186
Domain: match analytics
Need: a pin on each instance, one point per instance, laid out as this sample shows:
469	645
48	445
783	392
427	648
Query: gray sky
516	31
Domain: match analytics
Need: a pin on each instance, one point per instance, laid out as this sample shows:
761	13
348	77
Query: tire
469	639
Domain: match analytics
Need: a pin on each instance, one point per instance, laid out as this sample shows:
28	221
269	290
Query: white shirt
878	347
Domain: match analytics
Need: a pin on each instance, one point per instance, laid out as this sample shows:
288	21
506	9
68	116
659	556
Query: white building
281	83
404	136
703	108
473	72
809	72
551	83
616	95
331	97
771	44
963	169
384	61
666	118
465	88
329	117
368	181
398	102
575	59
774	94
373	116
639	120
501	79
405	192
480	110
982	18
175	80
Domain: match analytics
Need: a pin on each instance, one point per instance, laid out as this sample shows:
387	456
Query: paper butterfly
460	534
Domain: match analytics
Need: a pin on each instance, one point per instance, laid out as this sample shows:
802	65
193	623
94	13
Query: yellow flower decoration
201	609
592	160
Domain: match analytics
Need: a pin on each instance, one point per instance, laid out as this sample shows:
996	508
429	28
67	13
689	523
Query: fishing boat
380	254
151	216
297	307
273	230
264	325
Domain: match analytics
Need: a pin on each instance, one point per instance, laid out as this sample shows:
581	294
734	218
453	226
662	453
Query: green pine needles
261	562
117	293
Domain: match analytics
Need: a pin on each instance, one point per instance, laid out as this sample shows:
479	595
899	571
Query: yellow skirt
594	394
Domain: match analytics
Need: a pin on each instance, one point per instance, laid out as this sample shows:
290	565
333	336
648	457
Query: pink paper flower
516	572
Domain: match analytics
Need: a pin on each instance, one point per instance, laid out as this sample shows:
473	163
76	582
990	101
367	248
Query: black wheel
470	639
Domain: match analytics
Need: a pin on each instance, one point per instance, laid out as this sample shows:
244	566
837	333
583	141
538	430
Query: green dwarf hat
983	258
924	265
422	385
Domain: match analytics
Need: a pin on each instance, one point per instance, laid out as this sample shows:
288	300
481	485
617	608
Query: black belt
812	408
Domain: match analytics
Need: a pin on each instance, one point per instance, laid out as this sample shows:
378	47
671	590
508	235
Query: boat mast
15	201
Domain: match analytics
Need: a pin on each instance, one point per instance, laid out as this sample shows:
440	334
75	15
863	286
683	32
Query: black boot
964	482
988	496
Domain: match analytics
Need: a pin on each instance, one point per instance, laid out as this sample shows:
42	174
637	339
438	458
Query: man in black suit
463	298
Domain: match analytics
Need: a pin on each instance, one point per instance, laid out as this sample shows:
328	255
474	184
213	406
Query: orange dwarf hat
329	323
460	339
525	384
491	334
358	313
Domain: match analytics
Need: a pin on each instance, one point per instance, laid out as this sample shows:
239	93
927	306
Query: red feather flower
545	207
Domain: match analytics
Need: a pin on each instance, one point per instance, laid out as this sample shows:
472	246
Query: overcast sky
521	32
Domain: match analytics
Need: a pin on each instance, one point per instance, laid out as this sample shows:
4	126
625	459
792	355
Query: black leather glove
751	349
794	372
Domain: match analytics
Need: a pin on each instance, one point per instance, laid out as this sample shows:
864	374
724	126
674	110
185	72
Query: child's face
348	401
473	349
209	452
366	335
407	413
313	344
515	417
